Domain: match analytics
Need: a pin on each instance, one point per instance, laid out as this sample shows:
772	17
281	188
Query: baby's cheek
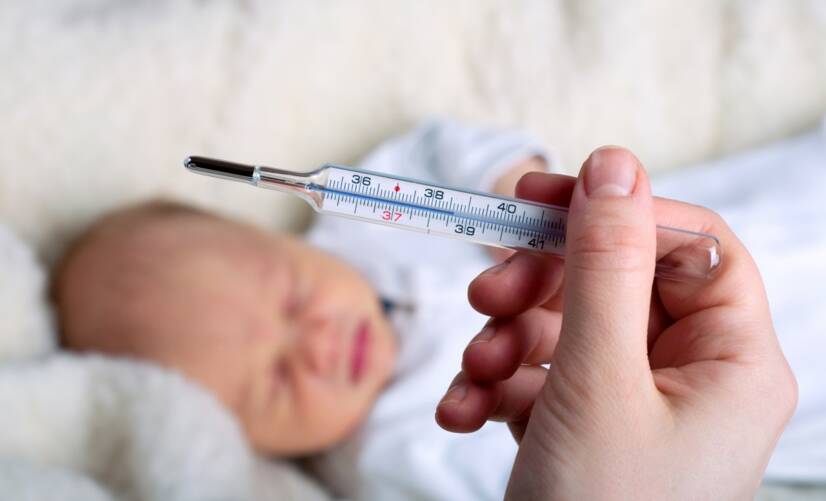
385	349
222	370
331	414
222	383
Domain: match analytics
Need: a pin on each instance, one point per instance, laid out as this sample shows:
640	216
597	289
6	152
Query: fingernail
484	336
499	268
610	172
455	394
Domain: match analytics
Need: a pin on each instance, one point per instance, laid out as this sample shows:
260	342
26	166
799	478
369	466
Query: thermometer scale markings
353	188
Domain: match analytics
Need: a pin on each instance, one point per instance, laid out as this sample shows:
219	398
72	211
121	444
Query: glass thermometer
482	218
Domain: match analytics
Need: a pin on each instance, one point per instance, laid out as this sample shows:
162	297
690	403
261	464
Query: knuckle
714	217
713	222
710	221
779	386
620	247
788	394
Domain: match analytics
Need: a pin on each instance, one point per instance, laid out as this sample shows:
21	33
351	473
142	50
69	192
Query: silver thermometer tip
220	168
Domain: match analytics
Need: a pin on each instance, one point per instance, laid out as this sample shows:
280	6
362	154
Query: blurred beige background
102	99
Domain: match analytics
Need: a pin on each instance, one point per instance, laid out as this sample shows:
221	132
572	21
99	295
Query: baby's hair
121	220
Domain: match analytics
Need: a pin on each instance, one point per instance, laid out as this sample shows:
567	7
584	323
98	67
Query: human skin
656	389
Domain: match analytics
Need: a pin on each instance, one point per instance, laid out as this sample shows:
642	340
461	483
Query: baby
292	340
299	338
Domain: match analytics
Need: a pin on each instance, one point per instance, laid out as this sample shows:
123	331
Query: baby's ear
26	319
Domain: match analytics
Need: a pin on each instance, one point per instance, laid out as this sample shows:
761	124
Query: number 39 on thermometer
479	217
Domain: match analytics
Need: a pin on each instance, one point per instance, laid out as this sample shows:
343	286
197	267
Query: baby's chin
336	431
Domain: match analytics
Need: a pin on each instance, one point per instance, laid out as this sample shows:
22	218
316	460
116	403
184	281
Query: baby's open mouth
361	345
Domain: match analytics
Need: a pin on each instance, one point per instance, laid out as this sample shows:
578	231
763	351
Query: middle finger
507	343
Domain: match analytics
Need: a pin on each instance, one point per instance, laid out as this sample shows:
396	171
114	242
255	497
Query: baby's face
291	339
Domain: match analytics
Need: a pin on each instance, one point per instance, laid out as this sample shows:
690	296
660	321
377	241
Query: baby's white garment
401	453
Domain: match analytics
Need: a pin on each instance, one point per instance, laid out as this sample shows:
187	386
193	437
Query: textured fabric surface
102	99
26	329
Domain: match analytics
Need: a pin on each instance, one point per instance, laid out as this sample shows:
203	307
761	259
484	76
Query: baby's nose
321	349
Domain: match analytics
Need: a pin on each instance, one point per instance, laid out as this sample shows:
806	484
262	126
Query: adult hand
656	389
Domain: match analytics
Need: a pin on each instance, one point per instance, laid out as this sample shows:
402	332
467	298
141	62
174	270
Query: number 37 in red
391	216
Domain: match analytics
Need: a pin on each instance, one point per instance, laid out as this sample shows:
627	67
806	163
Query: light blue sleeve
440	151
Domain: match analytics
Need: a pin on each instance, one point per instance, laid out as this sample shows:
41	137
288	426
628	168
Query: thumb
609	271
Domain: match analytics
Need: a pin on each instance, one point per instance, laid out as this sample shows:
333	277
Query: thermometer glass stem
477	217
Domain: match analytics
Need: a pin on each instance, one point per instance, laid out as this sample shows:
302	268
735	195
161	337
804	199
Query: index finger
737	281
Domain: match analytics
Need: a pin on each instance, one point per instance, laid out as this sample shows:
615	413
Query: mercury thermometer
434	209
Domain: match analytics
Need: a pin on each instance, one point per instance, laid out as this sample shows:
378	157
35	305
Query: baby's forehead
138	269
183	230
151	240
